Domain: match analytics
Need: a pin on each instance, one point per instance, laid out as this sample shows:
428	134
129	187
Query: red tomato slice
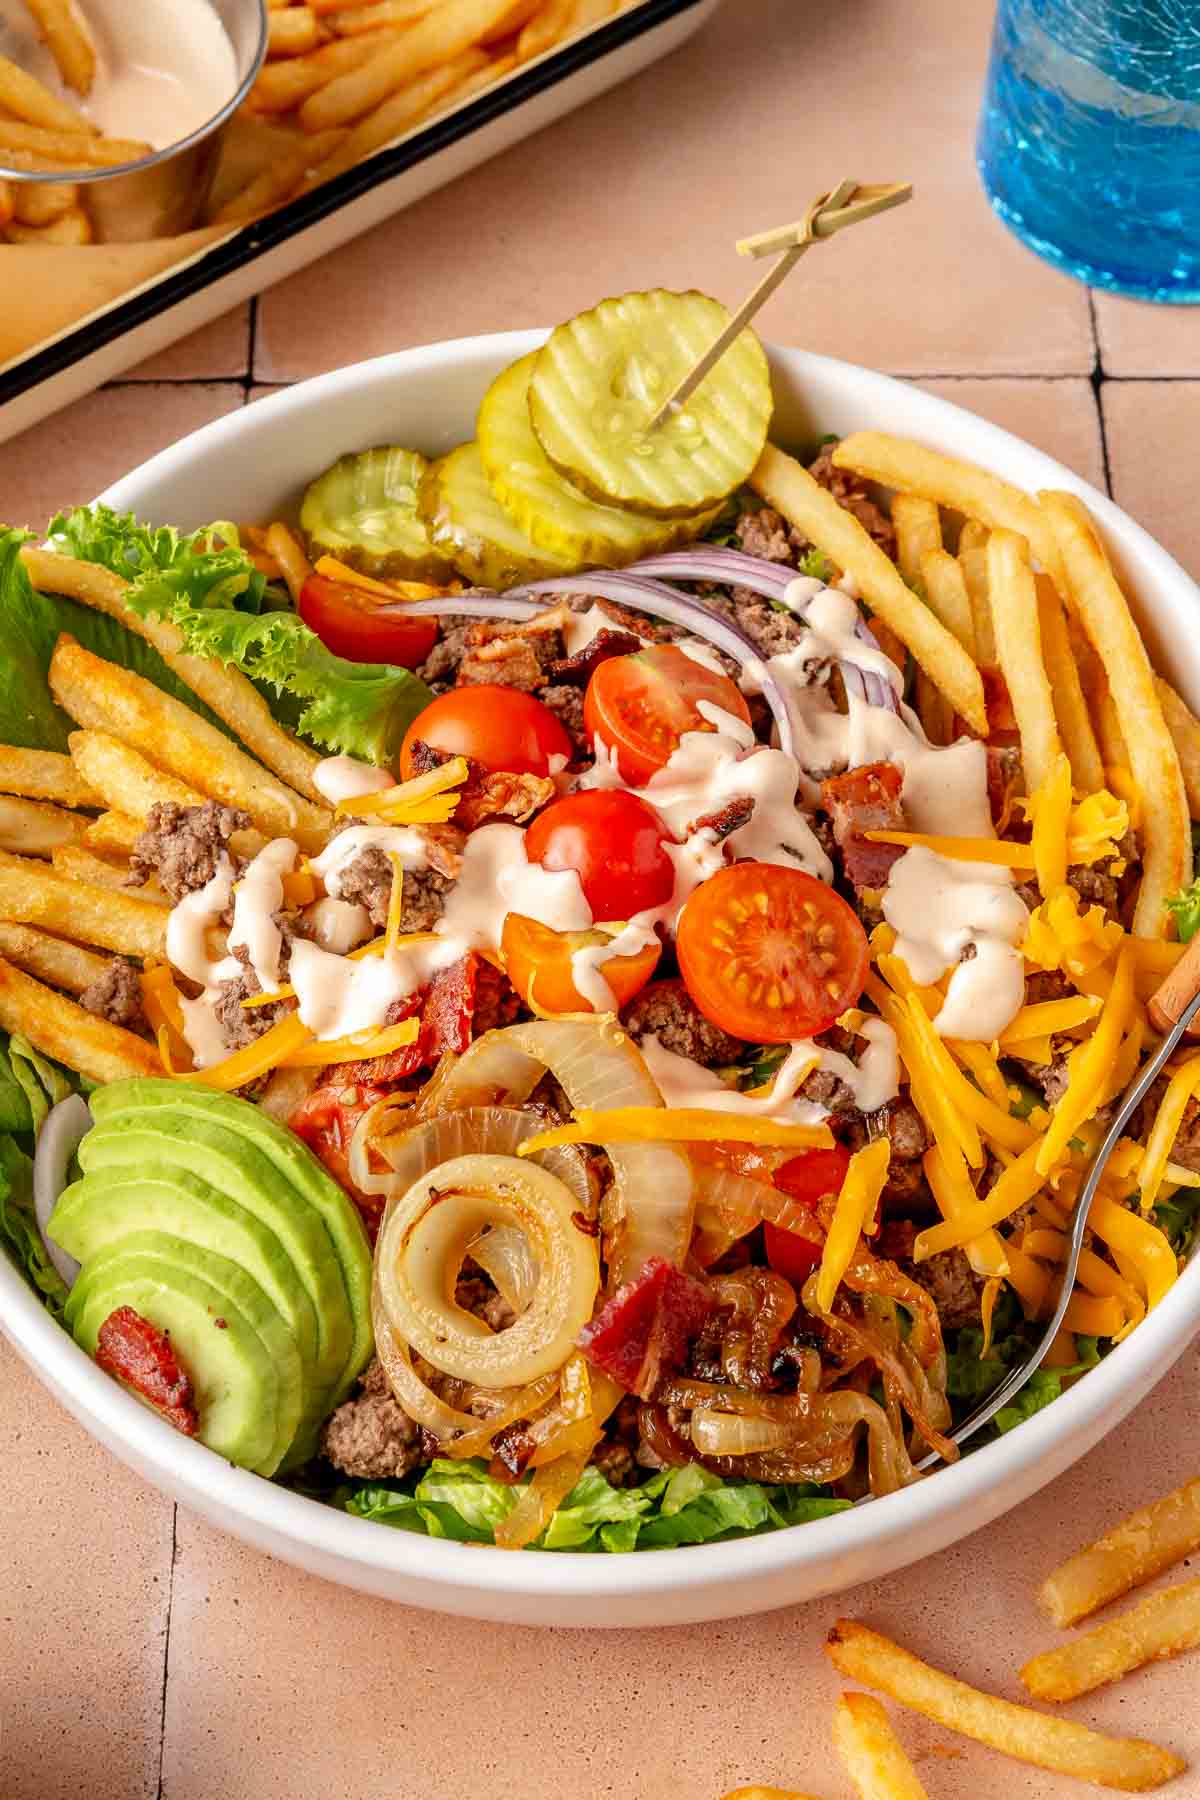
639	706
616	844
349	622
537	961
808	1178
770	954
500	727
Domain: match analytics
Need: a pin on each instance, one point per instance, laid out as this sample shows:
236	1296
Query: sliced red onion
65	1126
656	598
467	606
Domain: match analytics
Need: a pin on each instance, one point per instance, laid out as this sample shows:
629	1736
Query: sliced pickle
600	378
467	522
554	515
364	511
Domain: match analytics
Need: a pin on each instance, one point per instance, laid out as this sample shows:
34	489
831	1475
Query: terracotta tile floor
274	1686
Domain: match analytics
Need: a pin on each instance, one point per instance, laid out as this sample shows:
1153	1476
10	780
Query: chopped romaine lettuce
817	566
19	1235
43	1083
1185	907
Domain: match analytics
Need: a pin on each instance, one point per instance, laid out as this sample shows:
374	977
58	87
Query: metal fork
1181	989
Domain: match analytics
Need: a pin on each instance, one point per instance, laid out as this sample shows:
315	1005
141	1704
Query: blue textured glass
1089	140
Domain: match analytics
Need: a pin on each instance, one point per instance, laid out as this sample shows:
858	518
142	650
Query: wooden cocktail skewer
849	203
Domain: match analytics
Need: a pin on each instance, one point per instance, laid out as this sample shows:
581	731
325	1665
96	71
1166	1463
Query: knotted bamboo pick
849	203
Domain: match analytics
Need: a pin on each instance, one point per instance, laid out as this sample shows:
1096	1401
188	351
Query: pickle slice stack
466	521
363	510
600	378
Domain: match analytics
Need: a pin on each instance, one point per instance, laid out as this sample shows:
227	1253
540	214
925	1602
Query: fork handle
1180	986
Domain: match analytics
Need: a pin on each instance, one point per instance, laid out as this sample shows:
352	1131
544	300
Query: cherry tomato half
639	706
807	1178
770	954
349	621
537	961
500	727
615	842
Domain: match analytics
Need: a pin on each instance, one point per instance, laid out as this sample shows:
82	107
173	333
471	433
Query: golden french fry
1070	704
871	1753
458	25
1148	1542
79	864
41	202
545	28
67	228
62	1030
70	149
100	696
68	43
396	116
1184	728
51	959
353	19
114	834
766	1793
284	85
278	181
24	96
94	915
293	30
227	692
947	597
510	23
918	528
36	827
792	491
1131	1764
912	468
1161	1625
1014	607
586	13
291	558
124	779
1153	762
973	564
44	775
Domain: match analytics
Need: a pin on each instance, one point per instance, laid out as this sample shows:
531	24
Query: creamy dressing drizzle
258	897
940	909
404	841
338	778
189	922
874	1080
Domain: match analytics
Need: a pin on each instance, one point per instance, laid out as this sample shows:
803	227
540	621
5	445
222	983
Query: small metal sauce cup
165	194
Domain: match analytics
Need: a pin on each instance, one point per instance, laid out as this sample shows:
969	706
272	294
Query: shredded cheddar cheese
391	935
1089	1068
268	1052
427	799
1138	1246
951	1187
856	1204
992	1290
357	1047
676	1125
333	570
1045	1018
1180	1089
1018	1183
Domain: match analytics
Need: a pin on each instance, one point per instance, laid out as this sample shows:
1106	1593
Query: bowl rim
360	1544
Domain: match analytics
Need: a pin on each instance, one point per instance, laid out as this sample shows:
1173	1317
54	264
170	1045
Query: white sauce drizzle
938	908
259	896
189	922
403	841
874	1080
338	778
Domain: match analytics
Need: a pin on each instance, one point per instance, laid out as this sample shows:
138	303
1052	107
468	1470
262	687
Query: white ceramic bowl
249	466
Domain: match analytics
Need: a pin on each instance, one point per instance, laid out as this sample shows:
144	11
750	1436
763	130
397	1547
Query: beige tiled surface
277	1686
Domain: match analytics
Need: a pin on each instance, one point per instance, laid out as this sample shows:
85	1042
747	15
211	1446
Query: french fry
1130	1764
544	29
51	959
353	19
66	41
36	827
972	560
1014	605
947	597
791	490
291	558
278	181
586	13
397	115
1184	728
26	98
918	528
41	202
113	834
44	775
72	227
1153	762
124	779
458	25
227	692
911	468
871	1753
70	149
1070	704
78	863
293	30
63	1031
1161	1625
94	915
100	696
282	86
1148	1542
766	1793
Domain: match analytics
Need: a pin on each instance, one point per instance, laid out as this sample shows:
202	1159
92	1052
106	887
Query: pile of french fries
342	80
1146	1544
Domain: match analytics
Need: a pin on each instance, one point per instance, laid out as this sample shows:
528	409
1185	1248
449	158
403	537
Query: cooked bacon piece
643	1332
726	820
510	661
141	1358
577	670
486	794
862	800
326	1122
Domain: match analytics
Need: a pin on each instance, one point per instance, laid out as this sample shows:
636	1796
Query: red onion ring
64	1128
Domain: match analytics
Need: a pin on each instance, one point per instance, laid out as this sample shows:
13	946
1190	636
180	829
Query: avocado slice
238	1351
115	1200
181	1107
157	1143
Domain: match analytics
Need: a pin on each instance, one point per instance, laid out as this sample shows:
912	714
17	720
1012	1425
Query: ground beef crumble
371	1436
367	881
183	845
116	995
666	1010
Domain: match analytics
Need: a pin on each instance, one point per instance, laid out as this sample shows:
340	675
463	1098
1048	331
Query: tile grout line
1096	376
162	1717
251	345
1098	381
